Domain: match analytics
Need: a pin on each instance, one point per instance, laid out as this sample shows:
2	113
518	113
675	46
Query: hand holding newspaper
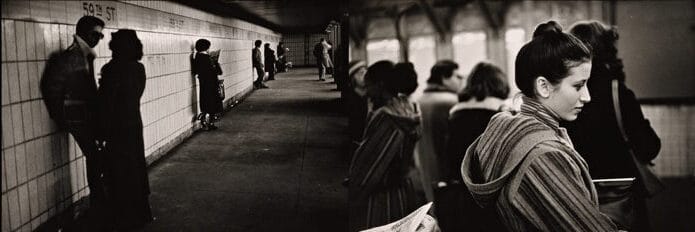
215	55
417	221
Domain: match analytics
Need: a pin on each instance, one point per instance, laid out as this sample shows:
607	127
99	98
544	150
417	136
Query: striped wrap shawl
525	166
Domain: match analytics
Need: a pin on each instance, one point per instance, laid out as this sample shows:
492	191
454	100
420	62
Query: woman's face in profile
569	96
359	77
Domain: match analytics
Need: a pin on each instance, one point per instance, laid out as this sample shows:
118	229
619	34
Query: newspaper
215	55
417	221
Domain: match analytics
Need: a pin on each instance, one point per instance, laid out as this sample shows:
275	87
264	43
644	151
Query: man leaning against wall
69	92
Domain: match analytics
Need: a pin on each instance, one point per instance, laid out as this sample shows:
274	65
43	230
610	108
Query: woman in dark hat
120	132
207	70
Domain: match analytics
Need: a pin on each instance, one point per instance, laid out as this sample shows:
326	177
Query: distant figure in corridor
207	68
595	133
323	58
383	183
438	97
524	165
70	94
270	60
481	98
257	61
282	57
121	133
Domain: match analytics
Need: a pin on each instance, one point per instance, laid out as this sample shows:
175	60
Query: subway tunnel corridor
274	164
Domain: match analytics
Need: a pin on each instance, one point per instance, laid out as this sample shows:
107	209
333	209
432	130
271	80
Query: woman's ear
543	87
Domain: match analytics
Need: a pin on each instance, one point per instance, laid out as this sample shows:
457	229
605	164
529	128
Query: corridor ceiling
285	16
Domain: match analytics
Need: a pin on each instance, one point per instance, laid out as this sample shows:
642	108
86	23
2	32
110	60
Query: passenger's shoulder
552	153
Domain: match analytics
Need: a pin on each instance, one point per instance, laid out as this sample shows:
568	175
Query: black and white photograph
348	115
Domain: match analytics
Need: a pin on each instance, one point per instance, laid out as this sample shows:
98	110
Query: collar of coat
437	88
489	103
84	47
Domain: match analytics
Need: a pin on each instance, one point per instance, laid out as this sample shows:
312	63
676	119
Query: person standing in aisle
323	59
439	96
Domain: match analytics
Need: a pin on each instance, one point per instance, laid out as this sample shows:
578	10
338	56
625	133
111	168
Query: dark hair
485	80
404	79
442	69
394	79
87	23
125	45
266	45
551	53
202	45
601	39
258	43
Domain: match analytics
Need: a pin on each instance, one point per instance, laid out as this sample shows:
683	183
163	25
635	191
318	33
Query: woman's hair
202	45
378	72
125	45
394	78
486	80
601	39
550	54
442	69
404	78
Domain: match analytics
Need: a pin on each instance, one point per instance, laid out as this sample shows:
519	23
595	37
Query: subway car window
422	54
385	49
469	48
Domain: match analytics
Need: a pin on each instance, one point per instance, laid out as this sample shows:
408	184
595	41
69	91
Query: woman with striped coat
384	184
525	165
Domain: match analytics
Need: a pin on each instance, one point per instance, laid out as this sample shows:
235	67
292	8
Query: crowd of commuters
488	166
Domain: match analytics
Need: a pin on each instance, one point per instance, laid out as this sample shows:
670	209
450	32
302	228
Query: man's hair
258	43
442	69
87	23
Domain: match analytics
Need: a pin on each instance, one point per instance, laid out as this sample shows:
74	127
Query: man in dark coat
69	91
257	60
270	60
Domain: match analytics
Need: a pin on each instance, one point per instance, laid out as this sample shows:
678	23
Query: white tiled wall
43	171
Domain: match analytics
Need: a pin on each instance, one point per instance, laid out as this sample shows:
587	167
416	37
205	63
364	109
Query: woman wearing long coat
269	61
207	70
120	132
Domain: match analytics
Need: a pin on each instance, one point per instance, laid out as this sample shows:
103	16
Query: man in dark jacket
70	93
257	60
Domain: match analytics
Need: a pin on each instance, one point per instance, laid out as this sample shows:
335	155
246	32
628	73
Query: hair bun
549	28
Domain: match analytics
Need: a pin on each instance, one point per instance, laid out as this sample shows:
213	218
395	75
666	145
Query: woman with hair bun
524	165
382	180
